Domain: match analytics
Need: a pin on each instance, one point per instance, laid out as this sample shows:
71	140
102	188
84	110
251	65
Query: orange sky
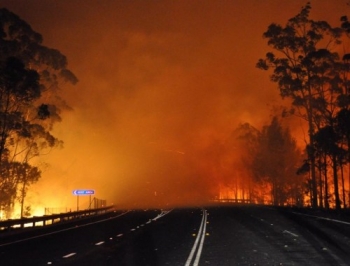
159	83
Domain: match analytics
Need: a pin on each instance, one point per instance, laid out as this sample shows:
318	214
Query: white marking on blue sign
84	192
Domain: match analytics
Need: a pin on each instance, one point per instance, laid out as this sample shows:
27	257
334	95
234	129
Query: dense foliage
309	67
30	74
273	157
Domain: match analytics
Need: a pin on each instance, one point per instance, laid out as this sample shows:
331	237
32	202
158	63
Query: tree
276	162
246	138
30	74
327	141
342	127
304	67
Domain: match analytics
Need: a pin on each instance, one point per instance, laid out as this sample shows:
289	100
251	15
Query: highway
215	235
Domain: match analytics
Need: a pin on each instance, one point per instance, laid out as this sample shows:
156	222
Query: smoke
162	85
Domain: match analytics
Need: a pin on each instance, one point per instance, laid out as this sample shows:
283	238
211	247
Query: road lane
265	236
61	246
167	240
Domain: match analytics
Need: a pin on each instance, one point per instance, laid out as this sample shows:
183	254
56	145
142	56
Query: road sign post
83	192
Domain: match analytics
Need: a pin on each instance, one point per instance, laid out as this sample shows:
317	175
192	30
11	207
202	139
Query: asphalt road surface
216	235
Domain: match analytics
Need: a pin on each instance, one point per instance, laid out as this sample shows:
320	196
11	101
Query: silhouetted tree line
29	105
309	66
273	157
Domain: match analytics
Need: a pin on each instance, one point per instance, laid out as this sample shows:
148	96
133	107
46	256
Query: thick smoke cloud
162	86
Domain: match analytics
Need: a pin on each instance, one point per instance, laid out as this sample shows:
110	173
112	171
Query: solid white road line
288	232
200	237
199	252
322	218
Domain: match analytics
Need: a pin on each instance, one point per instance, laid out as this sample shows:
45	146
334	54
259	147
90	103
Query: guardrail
49	219
246	201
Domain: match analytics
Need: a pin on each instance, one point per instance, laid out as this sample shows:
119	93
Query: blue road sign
79	192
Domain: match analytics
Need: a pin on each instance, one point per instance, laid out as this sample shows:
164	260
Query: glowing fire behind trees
265	168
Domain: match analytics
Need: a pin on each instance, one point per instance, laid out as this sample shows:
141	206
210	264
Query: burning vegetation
158	103
29	76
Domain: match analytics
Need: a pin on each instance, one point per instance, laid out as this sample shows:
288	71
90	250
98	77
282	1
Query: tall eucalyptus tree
30	74
306	68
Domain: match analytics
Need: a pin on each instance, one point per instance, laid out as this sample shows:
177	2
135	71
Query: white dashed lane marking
322	218
68	255
288	232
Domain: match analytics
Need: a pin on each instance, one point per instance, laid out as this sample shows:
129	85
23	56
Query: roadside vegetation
30	78
311	66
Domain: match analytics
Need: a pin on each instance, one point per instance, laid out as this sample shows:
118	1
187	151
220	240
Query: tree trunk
348	171
343	186
320	184
326	203
312	161
274	191
22	198
335	180
250	191
349	183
